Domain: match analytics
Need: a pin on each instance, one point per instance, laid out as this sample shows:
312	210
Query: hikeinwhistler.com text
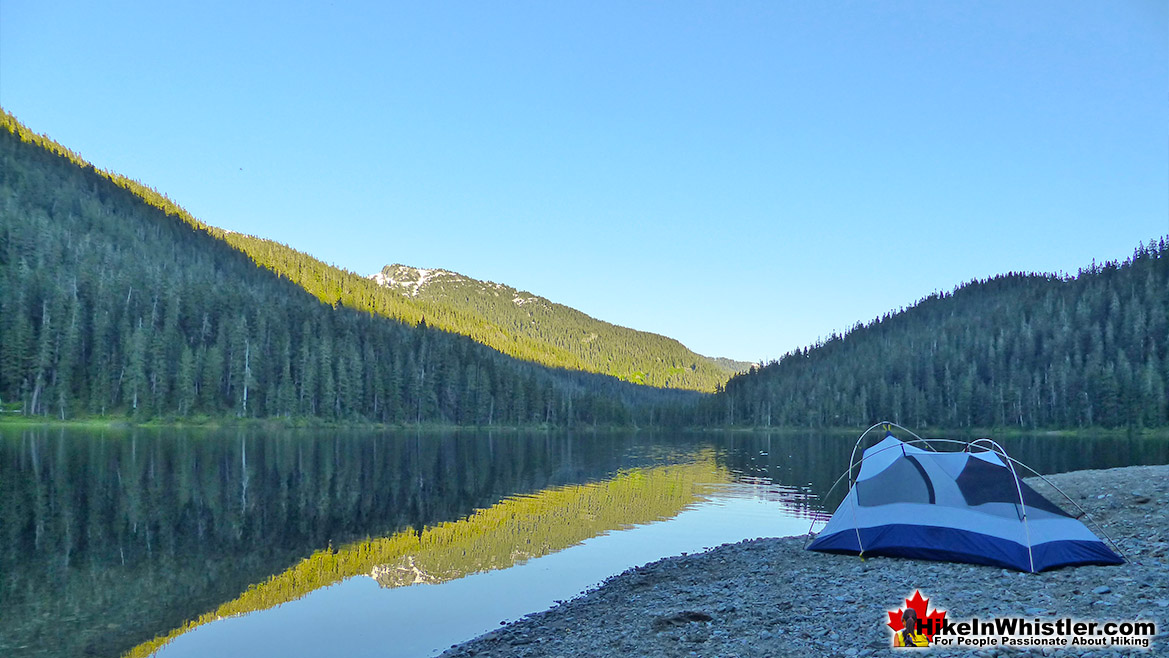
1021	632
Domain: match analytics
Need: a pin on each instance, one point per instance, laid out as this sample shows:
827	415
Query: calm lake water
196	543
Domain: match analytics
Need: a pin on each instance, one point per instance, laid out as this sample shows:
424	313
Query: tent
909	500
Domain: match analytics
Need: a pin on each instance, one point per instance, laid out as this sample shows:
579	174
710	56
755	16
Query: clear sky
744	177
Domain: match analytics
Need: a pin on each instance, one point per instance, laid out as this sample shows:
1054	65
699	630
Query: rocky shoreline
770	598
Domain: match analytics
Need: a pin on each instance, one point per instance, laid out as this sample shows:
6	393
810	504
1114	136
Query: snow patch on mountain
410	280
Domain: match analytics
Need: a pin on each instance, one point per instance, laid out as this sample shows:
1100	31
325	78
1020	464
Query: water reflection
510	532
110	539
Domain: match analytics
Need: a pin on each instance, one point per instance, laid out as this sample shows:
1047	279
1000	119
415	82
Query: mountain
530	327
116	302
735	366
1016	350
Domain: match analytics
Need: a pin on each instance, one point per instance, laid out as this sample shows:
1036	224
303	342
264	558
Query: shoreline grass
11	420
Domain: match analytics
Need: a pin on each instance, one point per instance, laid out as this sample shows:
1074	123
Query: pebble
725	602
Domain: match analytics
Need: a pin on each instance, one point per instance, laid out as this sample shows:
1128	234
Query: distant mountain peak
411	280
532	327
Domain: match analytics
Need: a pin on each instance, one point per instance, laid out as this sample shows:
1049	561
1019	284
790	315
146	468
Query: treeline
116	303
1021	350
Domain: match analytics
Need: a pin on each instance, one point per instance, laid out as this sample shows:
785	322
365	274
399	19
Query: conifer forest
116	303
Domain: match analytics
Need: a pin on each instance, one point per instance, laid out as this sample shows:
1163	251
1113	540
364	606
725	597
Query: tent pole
853	463
1069	499
1022	504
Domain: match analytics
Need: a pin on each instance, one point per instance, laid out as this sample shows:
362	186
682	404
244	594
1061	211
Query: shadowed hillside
118	303
1021	350
533	328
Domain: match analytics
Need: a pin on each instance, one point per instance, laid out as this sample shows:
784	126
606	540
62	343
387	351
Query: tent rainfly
964	506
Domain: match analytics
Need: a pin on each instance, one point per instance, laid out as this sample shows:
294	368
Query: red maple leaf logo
930	623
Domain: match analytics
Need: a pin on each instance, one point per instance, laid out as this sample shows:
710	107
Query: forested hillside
117	302
562	337
545	333
533	328
1023	350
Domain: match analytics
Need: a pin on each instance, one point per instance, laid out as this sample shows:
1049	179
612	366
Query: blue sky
744	177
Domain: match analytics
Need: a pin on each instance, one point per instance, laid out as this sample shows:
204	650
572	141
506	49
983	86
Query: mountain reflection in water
510	532
114	541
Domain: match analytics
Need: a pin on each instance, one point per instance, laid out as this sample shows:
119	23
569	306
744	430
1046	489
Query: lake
319	543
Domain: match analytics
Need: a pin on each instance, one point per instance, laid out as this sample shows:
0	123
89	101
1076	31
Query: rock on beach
770	598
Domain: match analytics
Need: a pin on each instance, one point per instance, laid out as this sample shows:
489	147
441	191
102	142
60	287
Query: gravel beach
769	597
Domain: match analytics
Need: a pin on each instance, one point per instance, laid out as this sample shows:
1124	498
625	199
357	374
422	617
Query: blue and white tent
967	506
